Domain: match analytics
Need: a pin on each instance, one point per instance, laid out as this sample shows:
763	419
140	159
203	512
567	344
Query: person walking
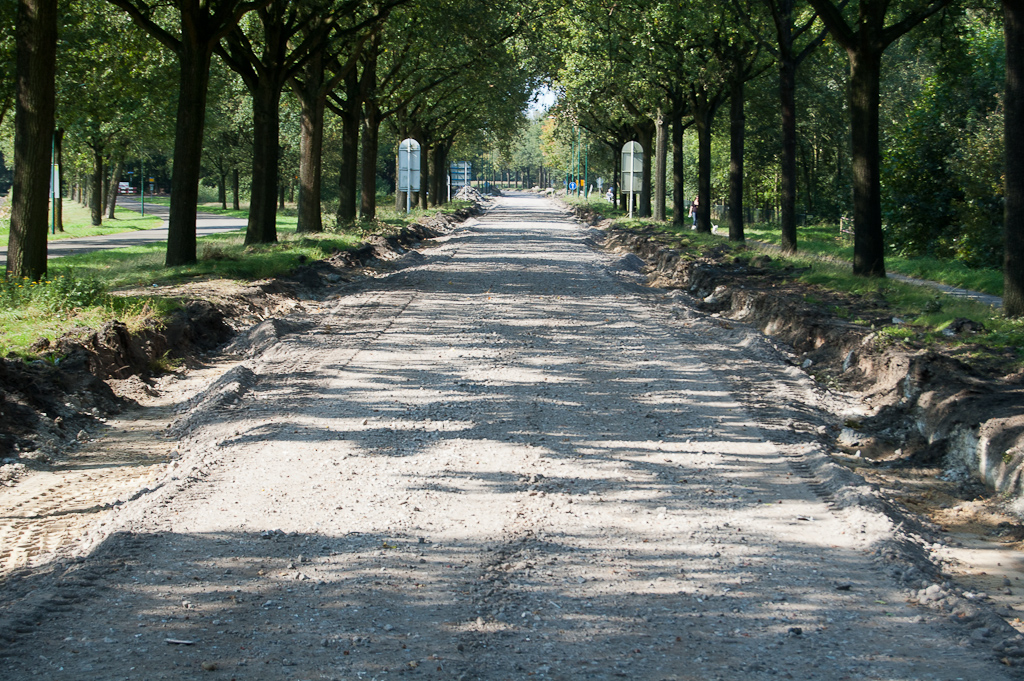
693	210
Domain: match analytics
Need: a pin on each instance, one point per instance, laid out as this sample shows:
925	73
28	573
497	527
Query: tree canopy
889	113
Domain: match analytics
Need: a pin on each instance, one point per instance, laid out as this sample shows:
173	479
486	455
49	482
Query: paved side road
206	224
503	461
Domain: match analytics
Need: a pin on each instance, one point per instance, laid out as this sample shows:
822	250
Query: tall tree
106	97
865	37
791	39
36	49
200	26
270	50
1013	219
334	61
8	14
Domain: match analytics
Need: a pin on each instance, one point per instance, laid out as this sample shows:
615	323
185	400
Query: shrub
55	294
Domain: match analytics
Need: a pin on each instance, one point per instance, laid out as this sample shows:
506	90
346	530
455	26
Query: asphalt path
206	224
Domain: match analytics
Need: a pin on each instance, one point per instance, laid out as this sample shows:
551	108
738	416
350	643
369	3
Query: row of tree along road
464	72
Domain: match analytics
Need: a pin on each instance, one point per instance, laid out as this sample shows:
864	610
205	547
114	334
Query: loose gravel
501	459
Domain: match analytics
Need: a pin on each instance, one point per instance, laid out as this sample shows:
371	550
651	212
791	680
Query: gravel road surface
501	459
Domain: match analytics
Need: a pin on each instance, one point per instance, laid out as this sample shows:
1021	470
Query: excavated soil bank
86	375
925	401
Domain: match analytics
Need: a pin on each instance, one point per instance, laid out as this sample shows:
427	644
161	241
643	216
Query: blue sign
572	186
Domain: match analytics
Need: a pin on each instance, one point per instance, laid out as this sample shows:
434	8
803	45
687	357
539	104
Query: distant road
206	224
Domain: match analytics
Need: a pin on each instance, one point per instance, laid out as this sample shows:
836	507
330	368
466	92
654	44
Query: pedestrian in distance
693	211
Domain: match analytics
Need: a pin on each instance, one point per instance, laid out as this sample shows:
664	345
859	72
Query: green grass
82	290
219	256
825	240
62	301
925	310
77	222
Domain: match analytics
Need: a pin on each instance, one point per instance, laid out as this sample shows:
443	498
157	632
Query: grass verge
824	240
925	312
82	290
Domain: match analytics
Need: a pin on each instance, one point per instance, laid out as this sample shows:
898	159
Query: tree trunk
703	118
96	195
787	163
399	194
678	166
115	179
234	189
737	130
661	165
36	48
262	227
194	60
222	188
1013	216
368	187
438	187
311	145
425	193
868	241
645	133
348	177
58	152
105	200
617	155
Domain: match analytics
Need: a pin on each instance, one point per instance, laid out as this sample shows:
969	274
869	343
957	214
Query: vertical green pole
576	163
142	184
586	171
580	178
54	189
568	169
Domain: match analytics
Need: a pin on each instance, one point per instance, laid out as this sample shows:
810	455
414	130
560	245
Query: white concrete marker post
632	154
409	170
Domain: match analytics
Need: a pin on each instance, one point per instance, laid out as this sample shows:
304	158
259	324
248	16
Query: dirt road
503	460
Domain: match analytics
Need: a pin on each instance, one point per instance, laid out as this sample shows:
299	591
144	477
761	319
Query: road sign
632	179
409	165
572	186
632	167
461	174
409	169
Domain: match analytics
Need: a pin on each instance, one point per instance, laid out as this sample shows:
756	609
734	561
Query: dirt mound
44	407
48	404
470	193
927	400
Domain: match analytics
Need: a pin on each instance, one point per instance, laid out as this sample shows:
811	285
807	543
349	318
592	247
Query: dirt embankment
956	404
88	374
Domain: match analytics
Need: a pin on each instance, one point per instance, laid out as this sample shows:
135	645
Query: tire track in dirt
509	469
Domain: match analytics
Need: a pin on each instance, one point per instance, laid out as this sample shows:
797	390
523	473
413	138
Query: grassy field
77	222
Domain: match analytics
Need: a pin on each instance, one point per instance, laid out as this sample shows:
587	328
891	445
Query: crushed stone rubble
507	459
